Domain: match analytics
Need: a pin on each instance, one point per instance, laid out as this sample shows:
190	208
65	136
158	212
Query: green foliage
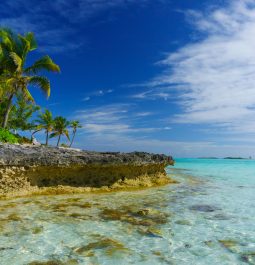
23	139
64	145
75	125
45	121
21	114
7	137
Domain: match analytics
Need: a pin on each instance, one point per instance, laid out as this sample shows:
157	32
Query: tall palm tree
45	122
74	125
60	128
14	50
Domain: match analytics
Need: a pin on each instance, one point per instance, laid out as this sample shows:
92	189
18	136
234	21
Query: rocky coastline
30	170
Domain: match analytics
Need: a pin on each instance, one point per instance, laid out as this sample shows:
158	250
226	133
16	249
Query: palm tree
74	125
46	122
60	128
14	50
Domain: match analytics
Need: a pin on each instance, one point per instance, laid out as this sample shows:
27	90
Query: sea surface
208	218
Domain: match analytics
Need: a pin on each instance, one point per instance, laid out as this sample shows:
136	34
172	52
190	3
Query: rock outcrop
30	169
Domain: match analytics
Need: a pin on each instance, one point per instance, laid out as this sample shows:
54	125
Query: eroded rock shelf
39	169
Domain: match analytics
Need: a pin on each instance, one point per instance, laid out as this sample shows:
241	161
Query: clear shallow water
209	218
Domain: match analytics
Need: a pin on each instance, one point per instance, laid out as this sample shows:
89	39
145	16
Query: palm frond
5	38
27	95
31	38
16	60
41	82
24	46
45	63
66	133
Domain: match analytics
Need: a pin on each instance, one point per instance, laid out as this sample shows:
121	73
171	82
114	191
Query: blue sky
172	77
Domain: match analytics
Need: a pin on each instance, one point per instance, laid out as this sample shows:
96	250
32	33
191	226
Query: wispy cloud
152	94
114	119
56	22
214	76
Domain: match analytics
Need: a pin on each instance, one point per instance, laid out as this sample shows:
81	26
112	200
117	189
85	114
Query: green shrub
7	137
23	139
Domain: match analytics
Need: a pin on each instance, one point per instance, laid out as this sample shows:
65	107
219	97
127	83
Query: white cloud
215	75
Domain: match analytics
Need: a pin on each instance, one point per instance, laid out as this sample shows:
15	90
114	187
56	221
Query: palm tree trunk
7	111
72	140
47	138
34	133
58	139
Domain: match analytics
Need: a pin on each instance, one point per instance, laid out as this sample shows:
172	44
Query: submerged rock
204	208
110	246
248	257
209	243
151	232
55	262
183	222
144	217
219	216
229	244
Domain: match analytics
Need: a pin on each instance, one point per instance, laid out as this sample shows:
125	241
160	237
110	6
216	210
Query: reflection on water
200	221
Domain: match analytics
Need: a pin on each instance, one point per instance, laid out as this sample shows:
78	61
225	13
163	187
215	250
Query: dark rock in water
55	262
209	243
145	217
219	217
110	246
227	243
204	208
187	245
248	257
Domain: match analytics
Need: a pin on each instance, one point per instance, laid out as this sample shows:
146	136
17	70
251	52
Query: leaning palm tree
74	125
60	128
45	122
14	50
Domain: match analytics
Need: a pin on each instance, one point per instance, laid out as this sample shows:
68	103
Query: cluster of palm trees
56	127
16	78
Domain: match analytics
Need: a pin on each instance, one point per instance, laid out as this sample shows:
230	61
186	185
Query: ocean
208	218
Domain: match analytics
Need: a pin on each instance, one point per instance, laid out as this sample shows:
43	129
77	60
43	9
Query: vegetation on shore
18	111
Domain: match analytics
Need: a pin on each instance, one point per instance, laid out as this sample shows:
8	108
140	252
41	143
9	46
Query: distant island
230	157
208	157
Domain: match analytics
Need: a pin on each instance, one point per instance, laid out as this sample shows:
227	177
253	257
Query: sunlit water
209	218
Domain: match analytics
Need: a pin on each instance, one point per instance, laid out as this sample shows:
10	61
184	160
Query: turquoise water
209	218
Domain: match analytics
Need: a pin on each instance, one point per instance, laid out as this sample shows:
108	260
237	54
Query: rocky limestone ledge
49	170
